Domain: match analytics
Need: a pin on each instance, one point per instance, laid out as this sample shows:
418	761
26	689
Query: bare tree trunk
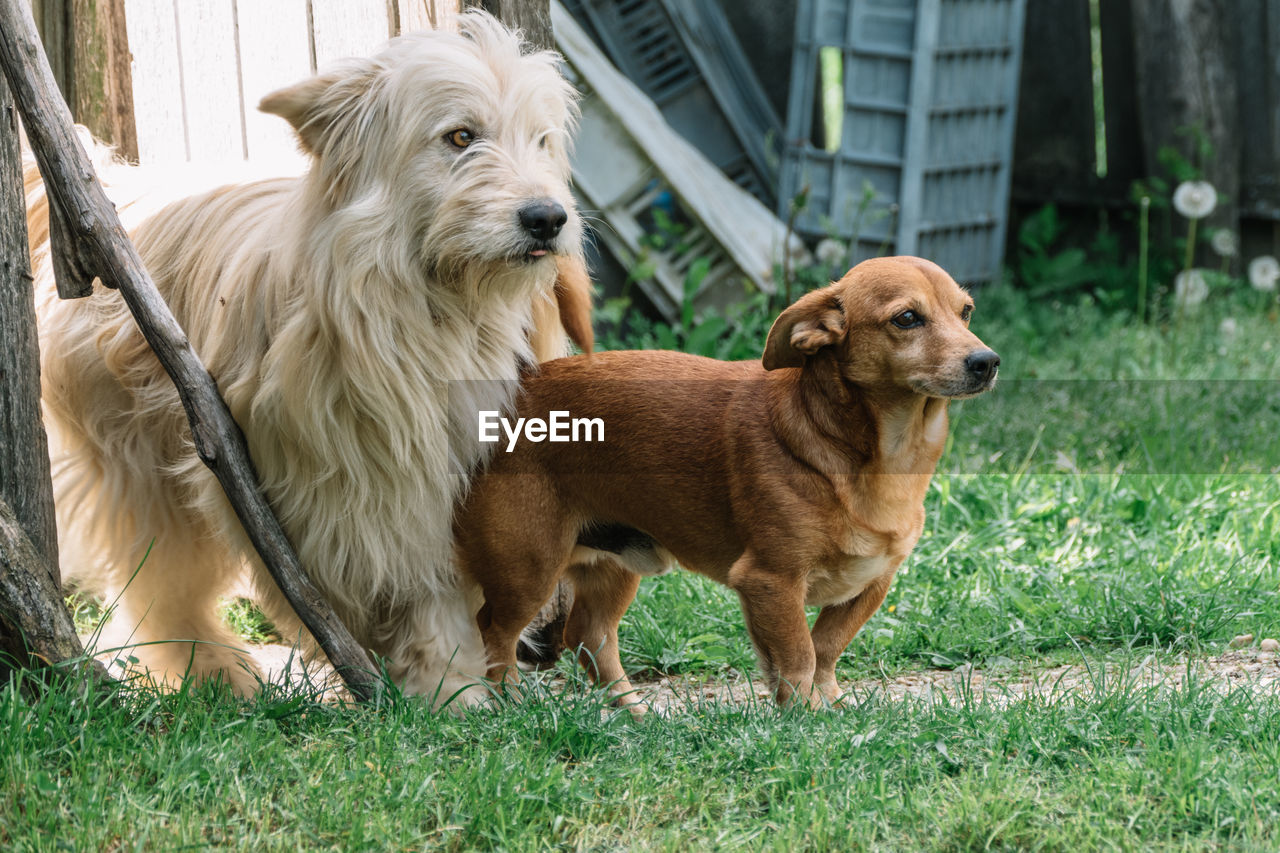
24	451
88	49
28	533
1187	89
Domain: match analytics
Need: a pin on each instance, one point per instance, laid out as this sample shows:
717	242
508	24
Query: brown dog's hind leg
509	606
773	606
516	550
602	592
835	628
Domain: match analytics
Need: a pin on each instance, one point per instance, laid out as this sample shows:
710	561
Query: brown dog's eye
966	312
460	138
907	320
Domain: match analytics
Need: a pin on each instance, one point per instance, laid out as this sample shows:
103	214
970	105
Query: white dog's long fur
332	309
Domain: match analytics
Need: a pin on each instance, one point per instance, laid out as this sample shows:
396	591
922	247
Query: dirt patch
1249	668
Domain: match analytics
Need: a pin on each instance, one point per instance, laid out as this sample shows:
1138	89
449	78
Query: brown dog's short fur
795	482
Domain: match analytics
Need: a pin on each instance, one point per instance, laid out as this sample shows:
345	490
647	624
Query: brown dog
797	482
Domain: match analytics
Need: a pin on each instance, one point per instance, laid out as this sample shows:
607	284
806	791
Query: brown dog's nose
543	218
982	364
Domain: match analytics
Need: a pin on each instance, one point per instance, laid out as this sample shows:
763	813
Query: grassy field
1116	496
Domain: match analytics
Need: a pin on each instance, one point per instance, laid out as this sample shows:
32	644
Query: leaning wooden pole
35	627
88	242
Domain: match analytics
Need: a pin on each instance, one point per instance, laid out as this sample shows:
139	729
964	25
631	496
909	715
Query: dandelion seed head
1195	199
1264	271
1225	242
1190	288
830	252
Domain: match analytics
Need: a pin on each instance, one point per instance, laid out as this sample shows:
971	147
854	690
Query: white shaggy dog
432	233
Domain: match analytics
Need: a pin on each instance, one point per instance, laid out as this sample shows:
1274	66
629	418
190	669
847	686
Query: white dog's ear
316	104
815	321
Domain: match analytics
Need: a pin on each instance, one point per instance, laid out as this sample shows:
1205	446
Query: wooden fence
200	68
1055	149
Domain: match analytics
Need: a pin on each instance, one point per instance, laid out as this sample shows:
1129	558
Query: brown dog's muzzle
981	367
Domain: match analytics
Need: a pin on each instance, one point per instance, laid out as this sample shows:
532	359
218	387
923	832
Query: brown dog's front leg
836	626
773	605
602	592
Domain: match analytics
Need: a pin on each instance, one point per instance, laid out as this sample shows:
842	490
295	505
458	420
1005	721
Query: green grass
1118	766
1052	535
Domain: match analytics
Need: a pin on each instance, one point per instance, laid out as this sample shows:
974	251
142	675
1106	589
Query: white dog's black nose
982	364
543	218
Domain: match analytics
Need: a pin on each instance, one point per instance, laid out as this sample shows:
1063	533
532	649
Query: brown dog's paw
833	694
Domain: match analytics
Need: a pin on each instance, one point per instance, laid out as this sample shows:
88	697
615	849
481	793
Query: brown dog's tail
573	298
571	313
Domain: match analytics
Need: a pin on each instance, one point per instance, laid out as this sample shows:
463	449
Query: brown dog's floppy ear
314	105
813	322
573	298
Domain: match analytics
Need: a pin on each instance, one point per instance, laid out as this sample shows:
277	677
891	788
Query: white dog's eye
460	138
907	320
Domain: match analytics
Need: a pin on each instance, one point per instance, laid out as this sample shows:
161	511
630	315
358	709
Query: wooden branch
35	626
101	248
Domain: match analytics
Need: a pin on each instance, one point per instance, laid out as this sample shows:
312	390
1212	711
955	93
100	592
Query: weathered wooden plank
157	82
101	81
348	28
211	96
54	25
1258	69
531	17
89	50
94	234
1187	78
274	52
1054	144
426	14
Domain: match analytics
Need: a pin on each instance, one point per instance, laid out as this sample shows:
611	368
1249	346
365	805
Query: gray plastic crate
930	88
684	56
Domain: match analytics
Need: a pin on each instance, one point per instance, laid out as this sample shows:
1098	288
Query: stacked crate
923	166
628	162
684	56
